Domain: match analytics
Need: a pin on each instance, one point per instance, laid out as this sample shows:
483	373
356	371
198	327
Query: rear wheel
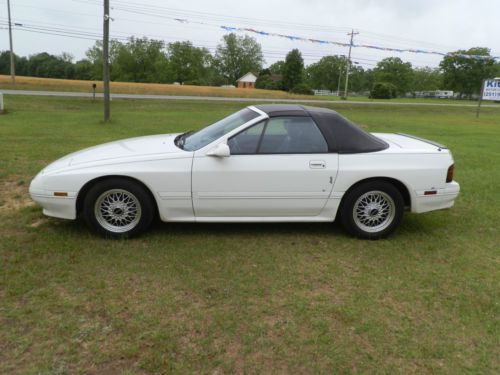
372	210
118	208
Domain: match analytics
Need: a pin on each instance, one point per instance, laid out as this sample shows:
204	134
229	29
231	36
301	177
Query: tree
140	60
293	70
324	74
277	67
268	81
358	79
394	70
426	79
238	55
187	63
49	66
20	62
496	69
465	75
83	69
94	55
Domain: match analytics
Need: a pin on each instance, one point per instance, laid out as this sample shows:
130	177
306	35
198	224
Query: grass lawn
247	298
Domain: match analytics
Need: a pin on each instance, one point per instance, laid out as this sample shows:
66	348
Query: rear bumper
445	198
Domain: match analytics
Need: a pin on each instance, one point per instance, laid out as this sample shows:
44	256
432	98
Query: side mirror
221	151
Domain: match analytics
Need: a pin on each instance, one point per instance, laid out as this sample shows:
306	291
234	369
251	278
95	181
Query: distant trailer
441	94
444	94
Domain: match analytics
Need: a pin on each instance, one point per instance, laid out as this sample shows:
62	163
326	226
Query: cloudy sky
58	26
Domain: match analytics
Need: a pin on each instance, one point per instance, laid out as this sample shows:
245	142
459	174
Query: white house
247	81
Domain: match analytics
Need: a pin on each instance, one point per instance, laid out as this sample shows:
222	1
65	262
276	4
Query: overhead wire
123	36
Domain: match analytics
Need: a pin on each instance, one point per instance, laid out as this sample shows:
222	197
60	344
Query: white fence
325	93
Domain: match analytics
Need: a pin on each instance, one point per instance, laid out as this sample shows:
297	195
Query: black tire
118	208
379	210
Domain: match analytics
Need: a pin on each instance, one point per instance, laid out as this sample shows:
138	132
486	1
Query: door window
292	135
247	141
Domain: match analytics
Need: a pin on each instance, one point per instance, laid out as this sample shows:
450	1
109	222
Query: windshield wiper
180	139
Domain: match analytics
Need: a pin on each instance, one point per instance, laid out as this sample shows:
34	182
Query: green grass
253	298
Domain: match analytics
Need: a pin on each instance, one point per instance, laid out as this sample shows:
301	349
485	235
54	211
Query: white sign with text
491	89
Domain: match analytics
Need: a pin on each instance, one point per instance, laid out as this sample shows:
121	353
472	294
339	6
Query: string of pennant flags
340	44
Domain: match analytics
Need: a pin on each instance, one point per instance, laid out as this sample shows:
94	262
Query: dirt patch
39	222
14	194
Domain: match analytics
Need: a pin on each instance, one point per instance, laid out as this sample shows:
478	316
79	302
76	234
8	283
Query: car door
279	167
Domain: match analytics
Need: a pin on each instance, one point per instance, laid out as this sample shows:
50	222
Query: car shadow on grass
412	225
246	228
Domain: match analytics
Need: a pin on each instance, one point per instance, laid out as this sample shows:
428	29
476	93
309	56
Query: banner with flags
340	44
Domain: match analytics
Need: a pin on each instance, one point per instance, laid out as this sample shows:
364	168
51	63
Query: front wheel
372	210
118	208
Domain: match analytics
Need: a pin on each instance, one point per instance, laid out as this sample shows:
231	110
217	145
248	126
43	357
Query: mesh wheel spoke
117	210
374	211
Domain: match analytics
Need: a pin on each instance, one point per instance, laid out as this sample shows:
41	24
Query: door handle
317	164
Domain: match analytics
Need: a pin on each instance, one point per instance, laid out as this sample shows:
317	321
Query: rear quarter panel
418	171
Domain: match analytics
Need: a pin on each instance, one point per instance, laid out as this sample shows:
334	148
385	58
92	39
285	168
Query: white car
265	163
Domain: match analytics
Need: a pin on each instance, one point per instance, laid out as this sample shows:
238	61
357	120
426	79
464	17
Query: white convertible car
265	163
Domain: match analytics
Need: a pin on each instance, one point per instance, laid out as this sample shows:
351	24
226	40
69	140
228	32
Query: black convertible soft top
342	135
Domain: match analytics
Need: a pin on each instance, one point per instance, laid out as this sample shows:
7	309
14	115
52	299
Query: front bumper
445	198
60	207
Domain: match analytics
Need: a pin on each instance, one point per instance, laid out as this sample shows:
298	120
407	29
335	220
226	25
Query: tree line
154	61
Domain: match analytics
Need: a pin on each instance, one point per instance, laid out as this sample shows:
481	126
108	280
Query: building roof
249	77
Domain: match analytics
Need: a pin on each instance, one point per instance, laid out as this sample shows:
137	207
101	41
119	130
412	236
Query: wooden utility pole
348	64
105	61
12	60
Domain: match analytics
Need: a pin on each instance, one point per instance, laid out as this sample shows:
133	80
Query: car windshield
203	137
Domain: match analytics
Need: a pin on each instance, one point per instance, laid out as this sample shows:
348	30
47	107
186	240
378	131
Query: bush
383	90
302	88
266	82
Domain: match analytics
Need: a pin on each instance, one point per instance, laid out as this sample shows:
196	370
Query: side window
247	141
292	135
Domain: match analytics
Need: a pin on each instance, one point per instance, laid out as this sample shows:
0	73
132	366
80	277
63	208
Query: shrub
383	90
265	81
302	88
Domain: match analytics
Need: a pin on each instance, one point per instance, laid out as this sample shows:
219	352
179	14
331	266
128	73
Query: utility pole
12	62
348	64
340	76
105	61
338	84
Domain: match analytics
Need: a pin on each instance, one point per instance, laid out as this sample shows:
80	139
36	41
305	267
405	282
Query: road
73	94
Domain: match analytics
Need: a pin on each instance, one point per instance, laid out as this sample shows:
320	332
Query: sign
491	89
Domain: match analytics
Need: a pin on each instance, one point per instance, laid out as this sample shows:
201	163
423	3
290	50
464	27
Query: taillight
449	175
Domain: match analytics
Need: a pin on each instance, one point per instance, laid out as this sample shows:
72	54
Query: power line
155	10
158	12
85	34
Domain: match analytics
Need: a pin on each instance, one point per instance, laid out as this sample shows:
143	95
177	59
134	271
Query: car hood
123	150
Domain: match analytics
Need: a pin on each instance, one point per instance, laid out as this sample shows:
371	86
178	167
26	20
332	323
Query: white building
247	81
